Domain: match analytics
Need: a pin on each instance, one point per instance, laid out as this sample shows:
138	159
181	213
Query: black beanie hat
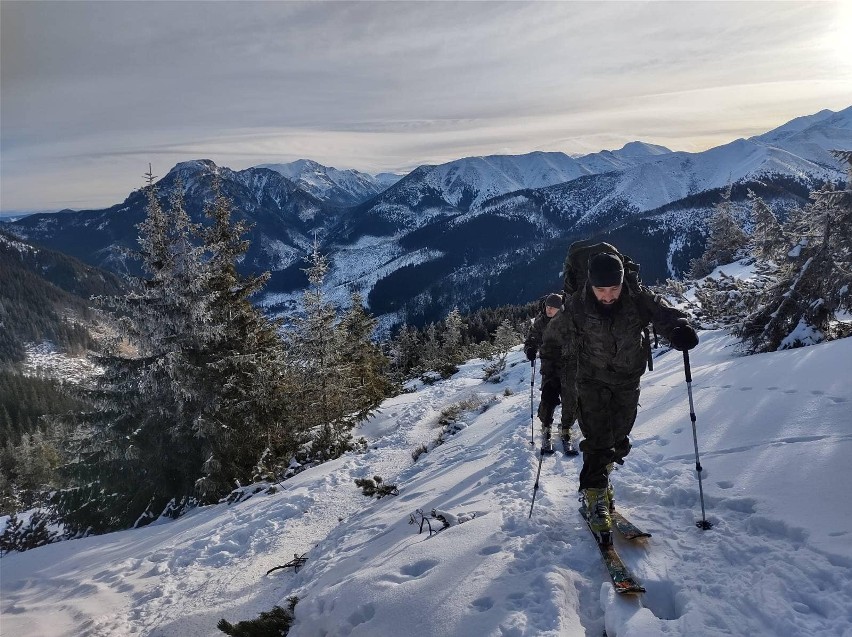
605	270
553	300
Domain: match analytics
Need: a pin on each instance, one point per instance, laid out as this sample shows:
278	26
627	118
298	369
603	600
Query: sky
774	437
92	92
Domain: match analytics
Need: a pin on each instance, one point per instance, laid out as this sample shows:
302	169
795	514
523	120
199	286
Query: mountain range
476	231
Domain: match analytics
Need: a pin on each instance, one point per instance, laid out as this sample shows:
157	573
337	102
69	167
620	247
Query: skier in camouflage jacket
605	346
553	391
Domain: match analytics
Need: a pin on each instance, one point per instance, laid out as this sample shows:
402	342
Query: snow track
774	432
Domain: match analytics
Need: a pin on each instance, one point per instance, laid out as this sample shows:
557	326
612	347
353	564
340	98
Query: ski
626	528
622	579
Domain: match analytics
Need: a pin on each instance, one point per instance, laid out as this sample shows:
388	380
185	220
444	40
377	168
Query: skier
553	391
605	345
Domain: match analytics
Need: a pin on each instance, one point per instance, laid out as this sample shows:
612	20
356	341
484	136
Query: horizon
94	92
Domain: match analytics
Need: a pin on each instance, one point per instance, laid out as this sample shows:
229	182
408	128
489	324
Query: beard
608	308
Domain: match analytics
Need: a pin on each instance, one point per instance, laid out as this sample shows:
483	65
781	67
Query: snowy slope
468	182
811	137
774	431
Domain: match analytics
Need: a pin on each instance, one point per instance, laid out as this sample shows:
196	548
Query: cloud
387	85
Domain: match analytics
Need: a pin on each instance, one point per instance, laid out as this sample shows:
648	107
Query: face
551	311
607	296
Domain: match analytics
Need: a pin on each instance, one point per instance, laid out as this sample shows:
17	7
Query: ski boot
568	447
600	522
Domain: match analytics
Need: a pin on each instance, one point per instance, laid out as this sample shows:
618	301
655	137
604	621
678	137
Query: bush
273	623
18	536
376	487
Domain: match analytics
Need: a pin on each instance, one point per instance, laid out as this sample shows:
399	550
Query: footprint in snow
418	568
482	604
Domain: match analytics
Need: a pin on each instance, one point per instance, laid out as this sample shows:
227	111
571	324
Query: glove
683	338
530	352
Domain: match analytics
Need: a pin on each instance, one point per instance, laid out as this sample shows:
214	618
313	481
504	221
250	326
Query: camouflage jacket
610	347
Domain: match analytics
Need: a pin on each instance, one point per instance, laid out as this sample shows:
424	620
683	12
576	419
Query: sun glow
843	32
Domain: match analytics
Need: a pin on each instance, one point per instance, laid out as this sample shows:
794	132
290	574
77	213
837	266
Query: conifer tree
244	414
190	395
725	241
368	383
505	338
404	353
815	282
138	449
452	337
767	236
317	376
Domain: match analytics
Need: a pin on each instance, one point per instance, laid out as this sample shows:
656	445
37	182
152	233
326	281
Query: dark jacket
534	339
611	346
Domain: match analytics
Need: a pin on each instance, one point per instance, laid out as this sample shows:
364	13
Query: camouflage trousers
553	393
606	414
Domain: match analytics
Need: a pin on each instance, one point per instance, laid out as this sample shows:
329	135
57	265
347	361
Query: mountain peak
193	166
797	125
640	149
342	187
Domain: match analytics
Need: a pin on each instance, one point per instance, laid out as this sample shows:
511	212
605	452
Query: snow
356	267
802	335
774	432
744	270
46	360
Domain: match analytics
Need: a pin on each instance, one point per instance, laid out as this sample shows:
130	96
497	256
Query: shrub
273	623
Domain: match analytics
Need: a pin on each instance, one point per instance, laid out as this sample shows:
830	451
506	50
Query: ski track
751	574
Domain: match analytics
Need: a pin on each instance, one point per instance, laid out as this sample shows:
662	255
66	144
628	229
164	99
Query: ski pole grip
686	368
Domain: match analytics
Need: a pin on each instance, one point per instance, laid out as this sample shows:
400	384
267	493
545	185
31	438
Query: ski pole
535	488
703	523
532	384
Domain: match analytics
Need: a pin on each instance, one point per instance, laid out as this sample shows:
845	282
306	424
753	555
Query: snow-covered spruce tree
725	242
404	352
505	338
317	383
767	236
815	282
432	355
363	360
451	339
243	416
442	348
136	449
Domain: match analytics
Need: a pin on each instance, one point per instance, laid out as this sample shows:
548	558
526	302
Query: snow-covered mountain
811	137
480	230
467	183
773	432
338	187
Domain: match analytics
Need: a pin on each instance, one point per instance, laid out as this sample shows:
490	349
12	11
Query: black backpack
576	273
576	269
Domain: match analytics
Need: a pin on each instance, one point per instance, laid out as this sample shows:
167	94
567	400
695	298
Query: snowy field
775	437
